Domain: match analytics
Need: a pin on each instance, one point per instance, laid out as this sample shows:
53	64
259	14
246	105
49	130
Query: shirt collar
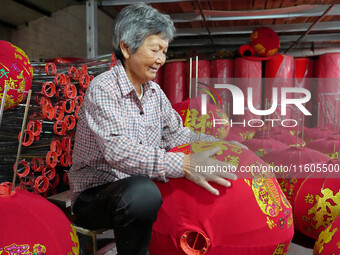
123	80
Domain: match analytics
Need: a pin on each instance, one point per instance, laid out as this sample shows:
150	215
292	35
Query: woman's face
144	64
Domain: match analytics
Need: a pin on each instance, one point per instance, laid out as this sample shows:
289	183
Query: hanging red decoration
16	72
265	41
251	217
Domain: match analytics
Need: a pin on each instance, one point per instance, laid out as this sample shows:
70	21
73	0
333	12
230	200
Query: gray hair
137	21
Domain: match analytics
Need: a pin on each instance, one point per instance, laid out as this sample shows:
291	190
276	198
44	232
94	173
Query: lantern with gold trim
16	72
251	217
32	225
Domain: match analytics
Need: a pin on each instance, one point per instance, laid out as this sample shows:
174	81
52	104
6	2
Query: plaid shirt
119	135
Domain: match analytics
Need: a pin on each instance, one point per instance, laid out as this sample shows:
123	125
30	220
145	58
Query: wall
5	33
62	35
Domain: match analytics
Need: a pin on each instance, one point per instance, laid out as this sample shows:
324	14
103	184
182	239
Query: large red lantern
215	122
313	191
16	72
32	225
251	217
265	41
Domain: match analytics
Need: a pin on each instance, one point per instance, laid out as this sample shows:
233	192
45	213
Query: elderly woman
126	126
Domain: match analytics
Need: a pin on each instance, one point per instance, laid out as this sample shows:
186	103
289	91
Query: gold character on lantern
326	208
324	238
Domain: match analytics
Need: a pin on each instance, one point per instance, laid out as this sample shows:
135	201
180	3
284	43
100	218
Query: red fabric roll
222	71
203	75
222	68
279	72
248	74
159	77
304	72
174	82
328	85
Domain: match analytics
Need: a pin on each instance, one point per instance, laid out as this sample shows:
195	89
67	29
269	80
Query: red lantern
215	122
32	225
329	240
328	146
265	41
292	158
16	72
251	217
313	191
262	146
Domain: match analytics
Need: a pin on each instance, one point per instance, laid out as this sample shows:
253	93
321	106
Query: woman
126	126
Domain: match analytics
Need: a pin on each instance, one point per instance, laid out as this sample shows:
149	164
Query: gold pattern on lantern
267	195
324	238
271	223
259	48
309	199
11	83
18	56
280	249
202	121
326	208
198	146
233	160
290	220
247	181
75	239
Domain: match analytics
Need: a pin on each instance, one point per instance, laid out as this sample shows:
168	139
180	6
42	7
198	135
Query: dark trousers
129	206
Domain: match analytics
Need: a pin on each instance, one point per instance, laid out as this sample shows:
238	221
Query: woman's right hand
201	169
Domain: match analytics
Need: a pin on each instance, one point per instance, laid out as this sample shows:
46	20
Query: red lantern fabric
293	157
262	146
314	195
190	111
32	225
16	72
317	203
174	82
251	217
283	135
328	146
329	240
312	134
236	134
265	41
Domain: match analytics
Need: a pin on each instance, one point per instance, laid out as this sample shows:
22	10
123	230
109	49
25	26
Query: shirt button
141	112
